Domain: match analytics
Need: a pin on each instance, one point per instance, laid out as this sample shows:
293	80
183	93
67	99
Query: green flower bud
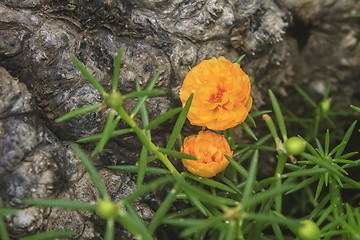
328	158
325	105
295	146
114	100
106	209
308	230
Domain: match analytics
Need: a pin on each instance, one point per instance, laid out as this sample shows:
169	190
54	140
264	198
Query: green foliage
355	108
320	111
3	231
237	203
78	112
240	58
60	203
49	235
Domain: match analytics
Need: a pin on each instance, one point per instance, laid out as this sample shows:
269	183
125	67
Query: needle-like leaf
49	235
240	58
60	203
94	174
117	70
279	115
179	123
77	112
88	75
249	185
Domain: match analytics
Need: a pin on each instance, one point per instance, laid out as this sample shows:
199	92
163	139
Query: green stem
311	197
231	172
279	170
109	232
316	123
133	226
146	141
3	231
335	197
239	232
282	157
229	135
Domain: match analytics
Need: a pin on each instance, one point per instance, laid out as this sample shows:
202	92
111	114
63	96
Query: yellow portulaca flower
209	148
221	94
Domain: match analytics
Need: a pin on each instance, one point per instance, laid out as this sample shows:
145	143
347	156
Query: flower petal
221	94
209	148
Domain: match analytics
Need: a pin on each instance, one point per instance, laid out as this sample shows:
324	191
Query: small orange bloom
221	94
209	148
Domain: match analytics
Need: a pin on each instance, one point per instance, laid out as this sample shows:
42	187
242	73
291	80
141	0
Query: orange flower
209	148
221	94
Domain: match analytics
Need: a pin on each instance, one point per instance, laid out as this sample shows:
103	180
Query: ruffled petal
209	148
221	94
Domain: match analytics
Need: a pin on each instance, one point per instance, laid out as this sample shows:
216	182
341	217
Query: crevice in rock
300	30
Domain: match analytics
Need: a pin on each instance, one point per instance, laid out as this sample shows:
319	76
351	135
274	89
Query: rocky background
308	42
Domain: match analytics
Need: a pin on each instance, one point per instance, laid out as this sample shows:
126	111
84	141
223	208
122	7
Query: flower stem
239	232
311	197
279	170
335	197
146	141
231	172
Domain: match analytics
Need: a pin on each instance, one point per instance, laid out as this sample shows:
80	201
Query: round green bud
325	105
295	146
308	230
114	100
106	209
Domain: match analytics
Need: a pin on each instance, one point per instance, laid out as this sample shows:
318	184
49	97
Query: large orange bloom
209	148
221	94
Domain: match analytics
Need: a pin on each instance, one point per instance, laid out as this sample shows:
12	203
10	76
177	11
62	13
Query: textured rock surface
34	163
310	42
14	98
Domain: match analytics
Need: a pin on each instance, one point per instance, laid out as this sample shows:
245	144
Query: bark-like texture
308	42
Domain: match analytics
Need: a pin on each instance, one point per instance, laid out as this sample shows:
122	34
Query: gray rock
24	3
261	24
35	164
307	42
14	97
196	20
25	221
317	11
